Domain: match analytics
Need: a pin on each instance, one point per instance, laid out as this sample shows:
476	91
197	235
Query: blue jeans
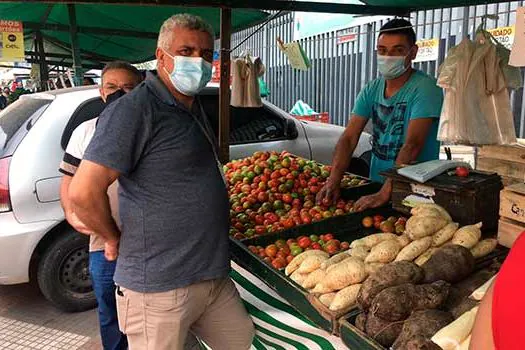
102	271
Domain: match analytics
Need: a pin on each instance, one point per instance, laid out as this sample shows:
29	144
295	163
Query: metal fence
339	71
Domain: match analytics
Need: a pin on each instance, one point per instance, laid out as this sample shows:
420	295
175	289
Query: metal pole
224	89
75	50
41	55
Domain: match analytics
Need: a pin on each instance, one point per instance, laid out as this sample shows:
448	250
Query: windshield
15	116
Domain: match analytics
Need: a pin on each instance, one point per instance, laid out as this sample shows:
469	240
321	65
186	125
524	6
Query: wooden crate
512	202
507	161
509	231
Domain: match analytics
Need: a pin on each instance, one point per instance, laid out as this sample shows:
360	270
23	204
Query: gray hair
183	20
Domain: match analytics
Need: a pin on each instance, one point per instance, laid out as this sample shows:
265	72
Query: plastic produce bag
476	109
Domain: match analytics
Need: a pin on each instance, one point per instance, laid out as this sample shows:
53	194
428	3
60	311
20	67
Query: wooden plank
508	232
517	188
509	153
502	167
224	88
512	206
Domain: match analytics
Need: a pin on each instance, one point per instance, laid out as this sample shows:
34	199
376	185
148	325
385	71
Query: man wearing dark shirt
173	265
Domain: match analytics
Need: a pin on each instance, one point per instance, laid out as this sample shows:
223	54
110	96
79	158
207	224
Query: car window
87	110
15	116
247	125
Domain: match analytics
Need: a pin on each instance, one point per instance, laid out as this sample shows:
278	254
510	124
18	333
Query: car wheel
63	273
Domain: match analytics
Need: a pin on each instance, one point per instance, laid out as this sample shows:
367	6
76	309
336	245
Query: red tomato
260	229
284	171
271	250
316	246
288	223
304	242
290	241
462	171
279	263
296	203
275	175
314	189
287	198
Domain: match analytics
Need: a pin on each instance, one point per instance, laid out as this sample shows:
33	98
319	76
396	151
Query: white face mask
391	67
190	74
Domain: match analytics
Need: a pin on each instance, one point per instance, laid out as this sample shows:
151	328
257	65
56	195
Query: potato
372	268
372	240
422	324
384	252
334	260
311	263
298	277
392	274
404	240
360	252
326	299
467	236
313	278
345	298
484	247
322	288
423	226
451	263
384	332
421	343
430	209
423	258
397	303
360	321
347	272
414	249
298	260
445	234
456	332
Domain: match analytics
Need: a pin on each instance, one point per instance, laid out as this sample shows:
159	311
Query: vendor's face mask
190	74
391	67
114	96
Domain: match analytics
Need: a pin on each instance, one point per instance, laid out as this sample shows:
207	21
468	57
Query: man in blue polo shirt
173	254
404	105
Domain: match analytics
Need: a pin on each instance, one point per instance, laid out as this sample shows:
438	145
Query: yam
360	321
463	289
298	277
422	324
404	240
423	226
479	293
313	278
384	252
384	332
465	306
392	274
326	299
451	263
397	303
311	263
345	298
456	332
420	343
297	261
414	249
322	288
372	240
360	252
445	234
424	209
484	247
334	260
423	258
347	272
372	268
467	236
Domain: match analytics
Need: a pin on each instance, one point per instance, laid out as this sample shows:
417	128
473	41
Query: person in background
404	106
501	314
173	262
118	78
88	81
3	99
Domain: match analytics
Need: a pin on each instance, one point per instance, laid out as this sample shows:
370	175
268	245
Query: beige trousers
212	310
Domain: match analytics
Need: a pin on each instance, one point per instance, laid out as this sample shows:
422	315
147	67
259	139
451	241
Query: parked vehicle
35	240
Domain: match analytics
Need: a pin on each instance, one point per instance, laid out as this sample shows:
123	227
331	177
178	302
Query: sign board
428	50
346	35
504	35
517	55
11	41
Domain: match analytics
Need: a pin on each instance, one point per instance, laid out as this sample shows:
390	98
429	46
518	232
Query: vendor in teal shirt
404	105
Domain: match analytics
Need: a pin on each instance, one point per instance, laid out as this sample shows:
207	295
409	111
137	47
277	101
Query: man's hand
77	224
111	250
372	201
330	191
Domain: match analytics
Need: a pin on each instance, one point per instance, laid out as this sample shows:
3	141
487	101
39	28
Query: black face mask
114	96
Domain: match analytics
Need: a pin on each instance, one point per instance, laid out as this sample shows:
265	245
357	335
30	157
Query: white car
36	241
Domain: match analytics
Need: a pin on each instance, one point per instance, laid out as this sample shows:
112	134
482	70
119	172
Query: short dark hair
122	65
399	26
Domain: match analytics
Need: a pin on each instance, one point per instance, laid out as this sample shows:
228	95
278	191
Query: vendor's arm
71	217
482	337
341	159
